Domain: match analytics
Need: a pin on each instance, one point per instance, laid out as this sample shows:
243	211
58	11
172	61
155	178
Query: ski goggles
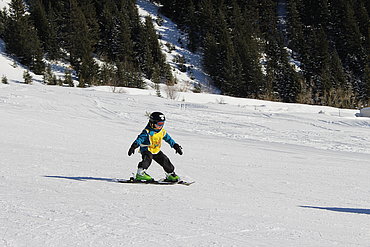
158	125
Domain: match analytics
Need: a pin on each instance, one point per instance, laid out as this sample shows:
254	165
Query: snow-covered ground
4	3
267	174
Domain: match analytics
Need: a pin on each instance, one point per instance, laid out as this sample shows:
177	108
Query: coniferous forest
305	51
79	31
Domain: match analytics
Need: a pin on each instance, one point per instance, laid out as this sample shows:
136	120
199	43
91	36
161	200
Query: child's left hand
178	148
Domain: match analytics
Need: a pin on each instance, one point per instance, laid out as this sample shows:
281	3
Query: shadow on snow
82	178
343	210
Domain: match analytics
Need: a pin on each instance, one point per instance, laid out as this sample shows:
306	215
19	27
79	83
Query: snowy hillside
4	3
267	174
173	45
177	40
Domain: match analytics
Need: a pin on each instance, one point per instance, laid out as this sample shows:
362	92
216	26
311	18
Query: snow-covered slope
4	3
11	69
170	34
267	174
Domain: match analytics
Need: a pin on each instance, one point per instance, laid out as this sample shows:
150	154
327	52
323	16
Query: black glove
178	148
132	149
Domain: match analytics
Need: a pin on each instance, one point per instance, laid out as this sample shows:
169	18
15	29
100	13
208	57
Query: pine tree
107	75
150	54
315	62
145	58
49	77
128	76
80	46
193	27
267	17
21	37
4	79
27	77
68	78
46	27
284	81
295	28
207	18
210	58
125	46
3	18
366	100
247	54
338	75
109	26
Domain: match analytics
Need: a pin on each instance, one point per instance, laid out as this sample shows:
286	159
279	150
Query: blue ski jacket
151	140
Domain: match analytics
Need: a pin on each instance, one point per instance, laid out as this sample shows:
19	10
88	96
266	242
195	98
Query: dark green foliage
78	31
49	77
330	39
4	79
46	28
27	77
21	37
247	51
68	78
2	22
366	100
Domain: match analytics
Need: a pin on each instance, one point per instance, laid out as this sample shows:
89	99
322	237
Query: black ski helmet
156	117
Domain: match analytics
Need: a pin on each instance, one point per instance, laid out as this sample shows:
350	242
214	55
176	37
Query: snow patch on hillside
11	68
174	45
4	4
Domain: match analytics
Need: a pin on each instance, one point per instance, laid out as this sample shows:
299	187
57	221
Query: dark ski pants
160	158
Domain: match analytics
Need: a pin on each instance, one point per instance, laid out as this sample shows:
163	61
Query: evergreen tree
4	79
295	27
145	58
211	52
27	77
80	46
109	26
281	76
107	75
127	76
125	46
3	18
193	28
49	77
247	54
366	99
68	78
46	28
150	52
21	37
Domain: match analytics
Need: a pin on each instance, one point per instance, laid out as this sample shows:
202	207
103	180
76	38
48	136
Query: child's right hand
132	149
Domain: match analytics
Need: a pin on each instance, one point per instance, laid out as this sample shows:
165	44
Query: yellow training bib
156	141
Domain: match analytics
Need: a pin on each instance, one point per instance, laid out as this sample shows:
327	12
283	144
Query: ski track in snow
267	174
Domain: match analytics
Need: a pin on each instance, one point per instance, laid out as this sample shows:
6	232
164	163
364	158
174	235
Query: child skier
150	141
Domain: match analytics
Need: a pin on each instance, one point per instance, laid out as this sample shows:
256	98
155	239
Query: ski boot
172	177
141	175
